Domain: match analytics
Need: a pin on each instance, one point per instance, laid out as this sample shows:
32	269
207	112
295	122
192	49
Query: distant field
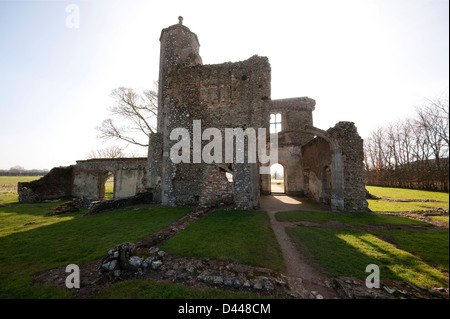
9	183
8	186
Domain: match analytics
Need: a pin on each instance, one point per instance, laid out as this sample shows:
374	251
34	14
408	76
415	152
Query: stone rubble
127	260
350	288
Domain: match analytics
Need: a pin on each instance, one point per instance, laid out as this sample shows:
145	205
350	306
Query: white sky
365	61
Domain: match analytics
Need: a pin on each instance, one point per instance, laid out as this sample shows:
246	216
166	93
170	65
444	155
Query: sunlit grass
441	218
350	218
431	246
395	207
403	193
109	188
343	252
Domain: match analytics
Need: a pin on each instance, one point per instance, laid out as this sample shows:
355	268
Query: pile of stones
123	259
351	288
65	208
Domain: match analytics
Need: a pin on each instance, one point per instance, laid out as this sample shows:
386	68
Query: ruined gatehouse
325	165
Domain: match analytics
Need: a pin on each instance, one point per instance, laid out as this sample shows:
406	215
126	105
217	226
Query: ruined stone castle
325	165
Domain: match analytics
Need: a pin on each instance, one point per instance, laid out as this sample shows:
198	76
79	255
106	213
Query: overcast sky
366	61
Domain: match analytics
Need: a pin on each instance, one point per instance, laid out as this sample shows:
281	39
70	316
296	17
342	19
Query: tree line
21	171
412	152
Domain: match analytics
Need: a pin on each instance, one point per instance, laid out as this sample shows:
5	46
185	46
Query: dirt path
296	266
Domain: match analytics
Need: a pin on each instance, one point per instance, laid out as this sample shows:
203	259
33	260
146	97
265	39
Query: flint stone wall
229	95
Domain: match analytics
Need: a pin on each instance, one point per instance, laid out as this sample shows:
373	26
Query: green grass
149	289
239	236
343	252
62	240
441	218
8	183
431	246
351	218
403	193
8	187
395	207
109	188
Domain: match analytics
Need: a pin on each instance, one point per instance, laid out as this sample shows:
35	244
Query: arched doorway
106	186
277	179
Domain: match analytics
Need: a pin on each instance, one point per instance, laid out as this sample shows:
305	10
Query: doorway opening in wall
107	186
277	179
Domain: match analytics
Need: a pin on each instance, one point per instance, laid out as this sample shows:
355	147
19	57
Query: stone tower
179	46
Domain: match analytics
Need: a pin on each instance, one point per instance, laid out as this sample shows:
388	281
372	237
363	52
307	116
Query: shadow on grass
341	252
72	241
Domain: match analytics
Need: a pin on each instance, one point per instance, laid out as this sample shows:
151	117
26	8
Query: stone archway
336	169
105	189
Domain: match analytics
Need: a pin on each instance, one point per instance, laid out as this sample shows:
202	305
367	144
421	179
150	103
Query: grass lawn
344	252
61	240
109	188
405	194
8	187
414	256
238	236
351	218
431	246
441	218
384	206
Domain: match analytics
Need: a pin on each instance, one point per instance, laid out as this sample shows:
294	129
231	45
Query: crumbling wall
316	156
352	148
154	167
334	169
57	184
89	177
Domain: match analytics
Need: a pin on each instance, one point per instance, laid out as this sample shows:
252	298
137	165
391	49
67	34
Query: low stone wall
89	177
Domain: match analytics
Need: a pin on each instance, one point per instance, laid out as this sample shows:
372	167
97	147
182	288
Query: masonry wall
89	177
228	95
352	148
57	184
295	113
316	157
334	170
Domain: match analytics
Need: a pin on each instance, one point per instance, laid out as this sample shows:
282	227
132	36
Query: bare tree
412	152
109	152
136	112
433	120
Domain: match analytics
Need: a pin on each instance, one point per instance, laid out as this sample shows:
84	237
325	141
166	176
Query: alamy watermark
73	280
73	17
233	145
373	280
